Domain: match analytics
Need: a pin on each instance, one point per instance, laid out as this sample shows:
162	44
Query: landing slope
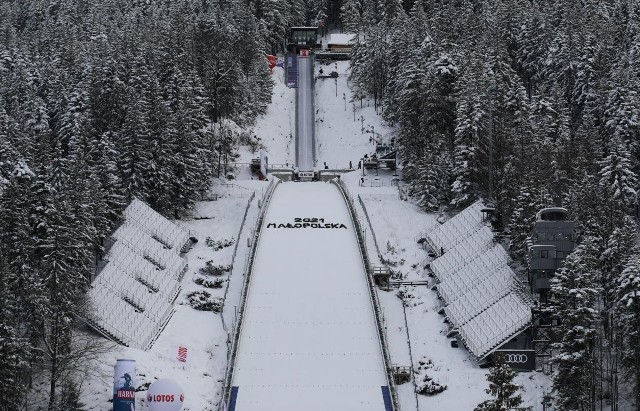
309	340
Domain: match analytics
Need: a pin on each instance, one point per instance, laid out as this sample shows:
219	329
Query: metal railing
373	233
313	113
384	347
233	257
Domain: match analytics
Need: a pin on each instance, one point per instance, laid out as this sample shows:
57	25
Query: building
553	238
302	38
340	43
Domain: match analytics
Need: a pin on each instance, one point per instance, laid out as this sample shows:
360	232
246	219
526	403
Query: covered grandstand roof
132	297
483	299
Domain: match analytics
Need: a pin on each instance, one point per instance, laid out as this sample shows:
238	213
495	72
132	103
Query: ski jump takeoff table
309	339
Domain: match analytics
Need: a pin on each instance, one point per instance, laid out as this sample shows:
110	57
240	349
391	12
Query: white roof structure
473	301
483	299
309	339
471	275
341	39
497	324
156	226
456	228
463	252
132	297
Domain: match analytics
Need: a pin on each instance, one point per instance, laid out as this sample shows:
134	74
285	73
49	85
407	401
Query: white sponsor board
165	395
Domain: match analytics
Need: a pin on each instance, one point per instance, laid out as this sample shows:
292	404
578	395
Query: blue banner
292	70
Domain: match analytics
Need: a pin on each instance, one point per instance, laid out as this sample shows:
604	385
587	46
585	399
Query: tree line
527	104
101	101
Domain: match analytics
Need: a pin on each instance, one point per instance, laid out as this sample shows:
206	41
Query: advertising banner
292	70
181	354
523	360
165	395
271	59
124	387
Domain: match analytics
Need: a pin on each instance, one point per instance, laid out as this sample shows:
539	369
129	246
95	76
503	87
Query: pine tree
628	314
617	179
619	248
502	388
529	201
470	130
575	295
16	350
351	16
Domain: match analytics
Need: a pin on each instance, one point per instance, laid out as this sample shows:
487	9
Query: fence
373	233
233	259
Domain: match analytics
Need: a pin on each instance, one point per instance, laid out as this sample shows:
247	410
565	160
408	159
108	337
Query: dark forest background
101	101
527	104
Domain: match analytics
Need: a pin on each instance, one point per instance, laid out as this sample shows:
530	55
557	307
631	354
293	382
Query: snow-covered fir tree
506	394
575	298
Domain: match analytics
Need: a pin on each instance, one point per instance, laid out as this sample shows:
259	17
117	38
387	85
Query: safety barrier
233	258
373	233
245	292
375	304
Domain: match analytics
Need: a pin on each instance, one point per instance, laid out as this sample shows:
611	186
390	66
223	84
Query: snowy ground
344	132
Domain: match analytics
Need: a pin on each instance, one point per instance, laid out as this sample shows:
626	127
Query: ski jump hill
309	338
307	335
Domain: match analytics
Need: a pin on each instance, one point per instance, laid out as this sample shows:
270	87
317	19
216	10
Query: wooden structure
340	43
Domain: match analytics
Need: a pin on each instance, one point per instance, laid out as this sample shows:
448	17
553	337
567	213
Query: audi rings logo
516	358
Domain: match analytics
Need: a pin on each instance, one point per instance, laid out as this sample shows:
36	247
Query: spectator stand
483	300
132	297
463	253
456	229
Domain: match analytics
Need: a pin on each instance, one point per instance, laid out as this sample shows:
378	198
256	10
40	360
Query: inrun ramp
304	115
309	339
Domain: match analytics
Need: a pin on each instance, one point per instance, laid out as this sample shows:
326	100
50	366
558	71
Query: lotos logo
161	398
165	395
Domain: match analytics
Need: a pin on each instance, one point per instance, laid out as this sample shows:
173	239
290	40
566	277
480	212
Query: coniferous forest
101	101
527	104
524	103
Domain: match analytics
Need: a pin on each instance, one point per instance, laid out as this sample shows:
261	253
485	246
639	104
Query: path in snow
309	340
